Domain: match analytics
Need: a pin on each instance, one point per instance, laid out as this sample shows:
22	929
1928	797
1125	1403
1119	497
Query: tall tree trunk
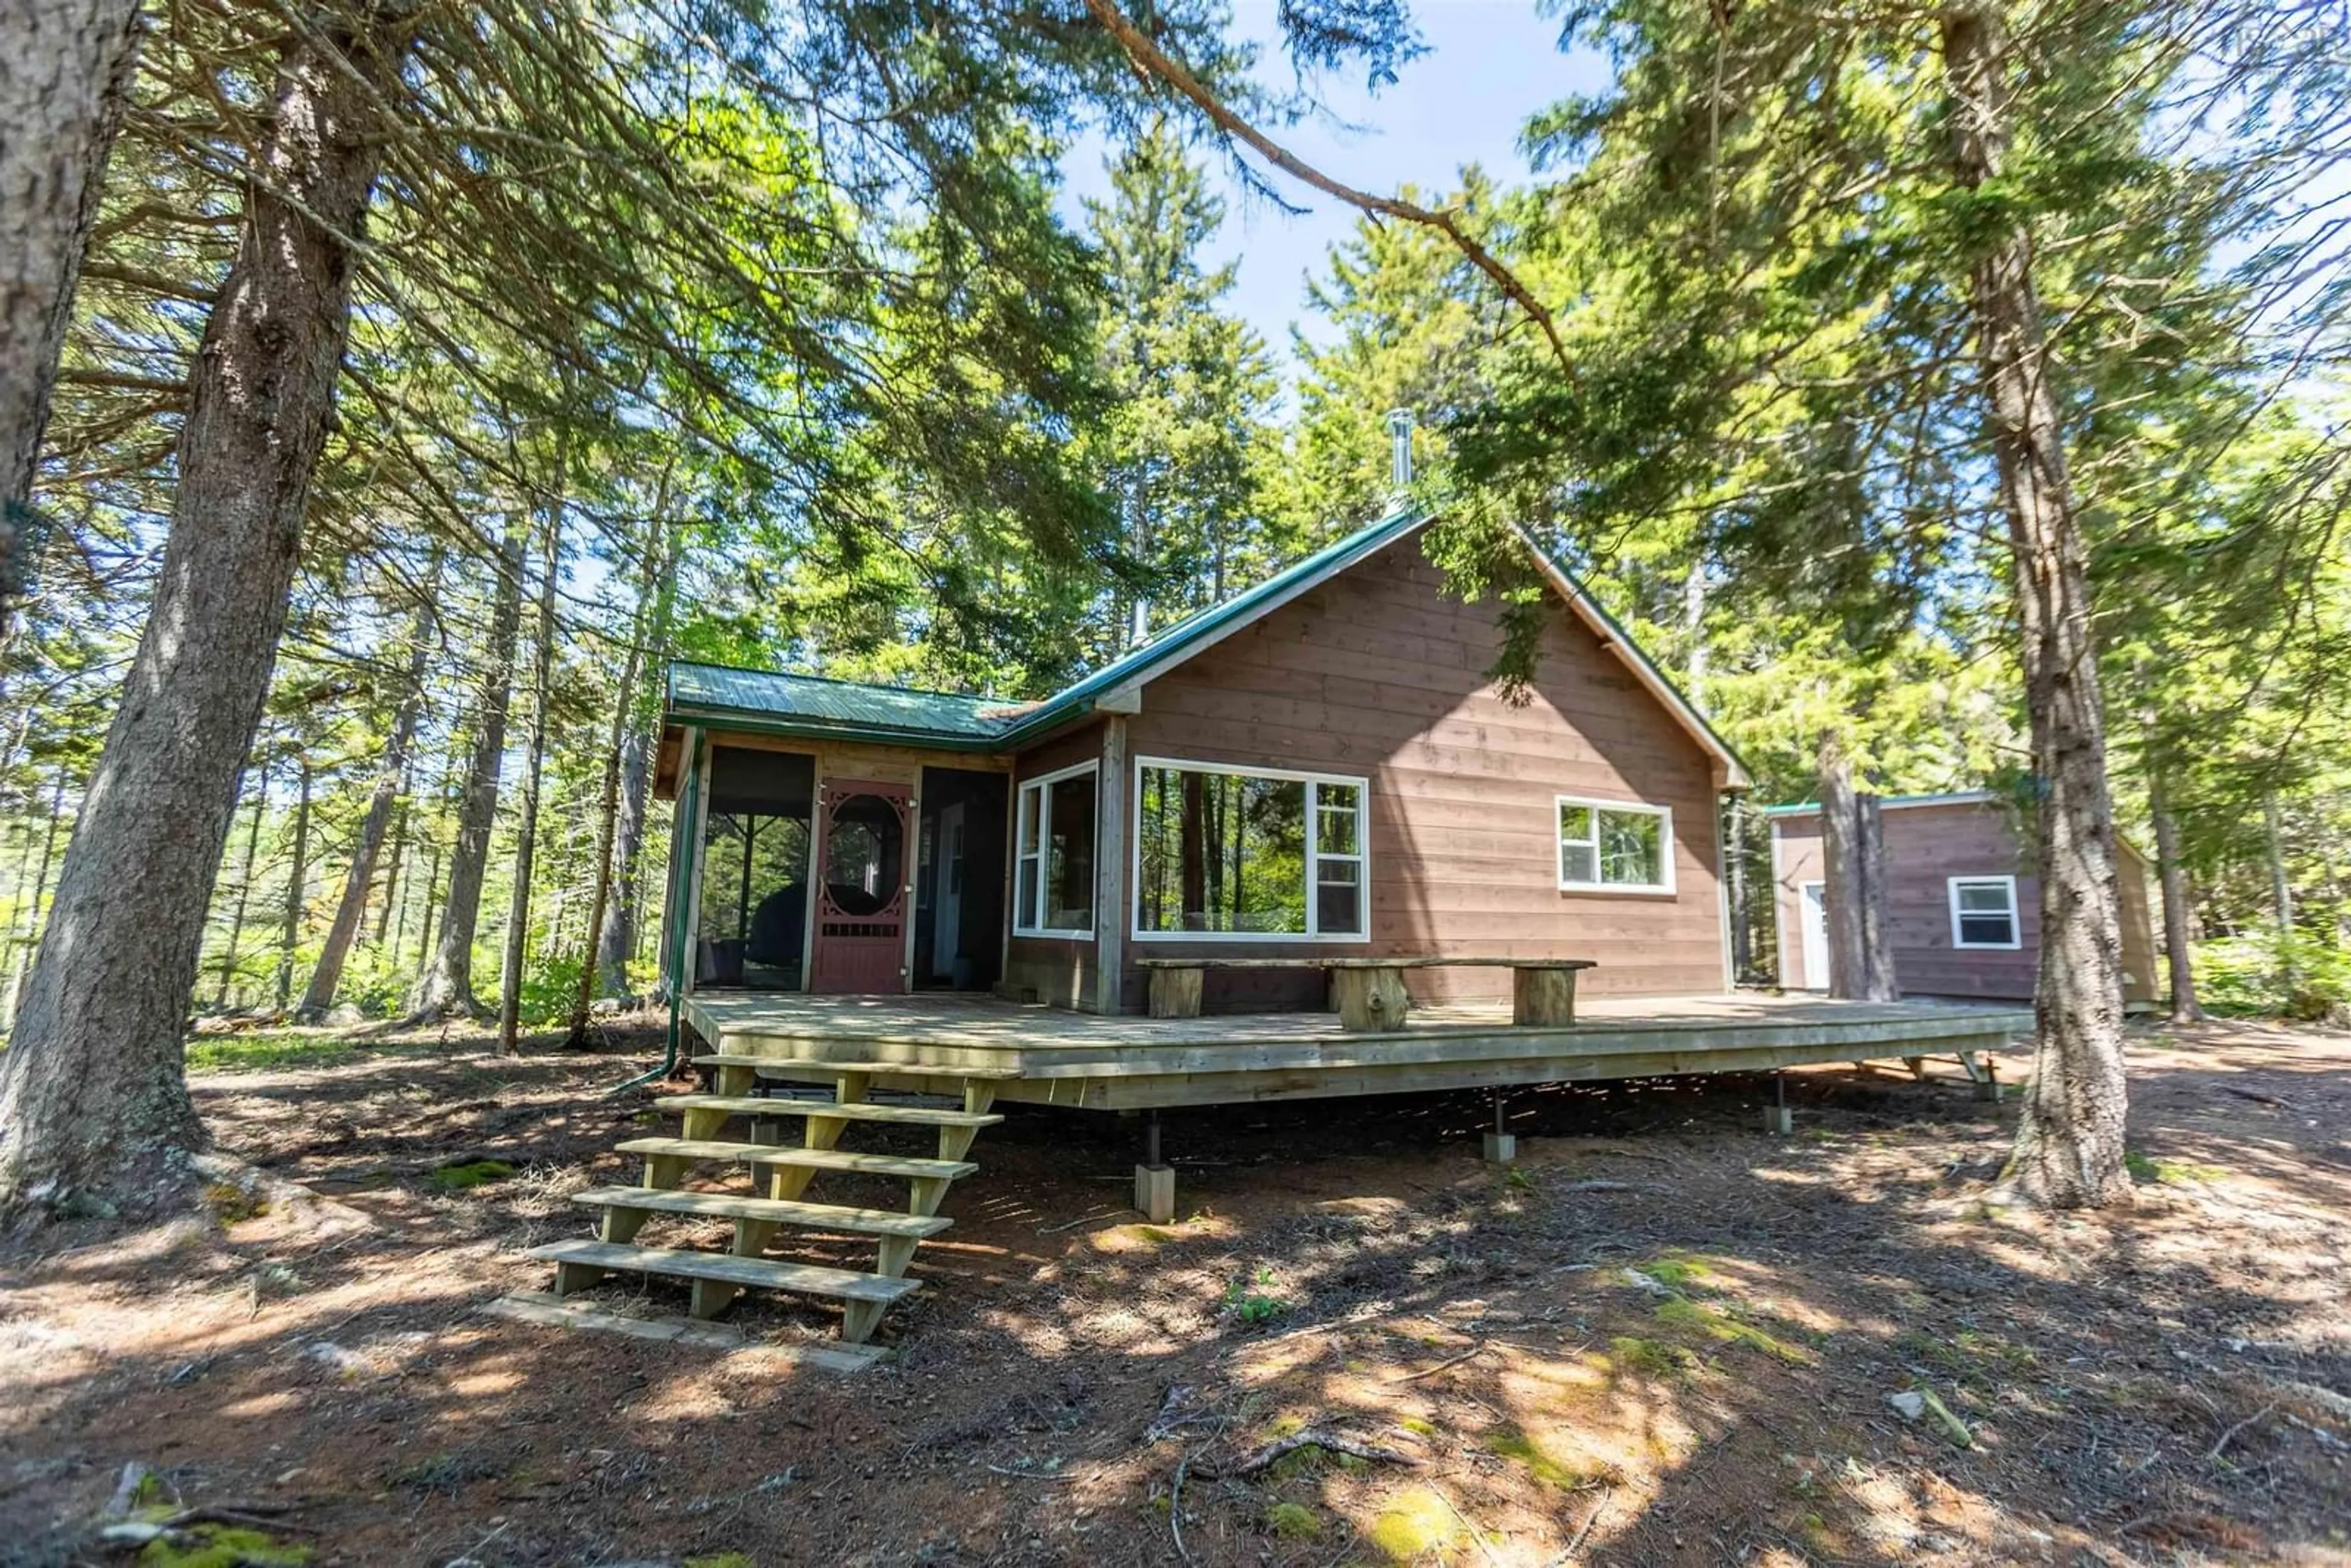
608	807
92	1093
616	939
66	68
1841	854
431	882
518	944
2173	877
244	890
616	933
25	942
290	930
446	988
2070	1142
1742	913
395	860
1878	981
320	996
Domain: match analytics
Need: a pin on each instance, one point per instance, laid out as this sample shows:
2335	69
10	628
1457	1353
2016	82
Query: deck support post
1988	1086
1501	1148
1155	1181
1777	1118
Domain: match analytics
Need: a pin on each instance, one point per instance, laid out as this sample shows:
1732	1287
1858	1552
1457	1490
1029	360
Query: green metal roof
1953	798
816	707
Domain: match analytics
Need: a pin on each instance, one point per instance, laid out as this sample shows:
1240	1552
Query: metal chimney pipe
1400	448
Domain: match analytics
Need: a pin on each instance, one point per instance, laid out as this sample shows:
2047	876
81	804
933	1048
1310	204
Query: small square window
1984	912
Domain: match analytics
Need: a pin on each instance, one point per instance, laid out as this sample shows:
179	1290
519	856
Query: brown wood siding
1049	969
1925	846
1379	673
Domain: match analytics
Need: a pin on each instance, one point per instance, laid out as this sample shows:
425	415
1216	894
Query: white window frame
1315	855
2015	916
1664	815
1024	920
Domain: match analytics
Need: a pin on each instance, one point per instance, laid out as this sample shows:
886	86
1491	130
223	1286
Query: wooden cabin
1319	767
1963	898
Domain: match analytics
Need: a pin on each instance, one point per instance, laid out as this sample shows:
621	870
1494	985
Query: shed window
1615	846
1248	853
1984	912
1053	892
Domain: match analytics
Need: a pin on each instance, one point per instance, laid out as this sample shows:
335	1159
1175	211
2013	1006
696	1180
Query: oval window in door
864	854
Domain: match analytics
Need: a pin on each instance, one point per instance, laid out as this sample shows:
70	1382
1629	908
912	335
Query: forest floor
1661	1337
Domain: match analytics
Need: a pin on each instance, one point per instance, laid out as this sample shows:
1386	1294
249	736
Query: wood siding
1056	970
1380	674
1925	846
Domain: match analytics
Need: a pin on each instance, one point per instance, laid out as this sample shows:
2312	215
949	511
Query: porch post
1110	803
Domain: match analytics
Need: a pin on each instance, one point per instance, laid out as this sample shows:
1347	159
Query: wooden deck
1082	1059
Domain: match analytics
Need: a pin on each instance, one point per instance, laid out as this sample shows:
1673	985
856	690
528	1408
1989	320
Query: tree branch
1152	61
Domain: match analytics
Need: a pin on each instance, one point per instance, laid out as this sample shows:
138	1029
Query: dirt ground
1661	1337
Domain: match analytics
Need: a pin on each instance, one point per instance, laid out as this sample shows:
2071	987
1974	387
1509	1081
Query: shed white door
1813	898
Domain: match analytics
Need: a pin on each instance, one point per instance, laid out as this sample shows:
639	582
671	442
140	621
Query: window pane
1026	904
1069	856
1030	798
1222	852
1632	846
1990	896
1339	806
1578	863
1340	906
1575	824
1988	929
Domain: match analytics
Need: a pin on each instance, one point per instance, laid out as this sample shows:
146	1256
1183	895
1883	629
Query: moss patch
469	1175
1289	1521
723	1560
1651	1357
232	1204
219	1546
1415	1522
2148	1171
1720	1326
1511	1443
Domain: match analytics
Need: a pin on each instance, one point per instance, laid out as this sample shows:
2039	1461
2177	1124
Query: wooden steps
810	1067
741	1206
784	1172
760	1105
798	1159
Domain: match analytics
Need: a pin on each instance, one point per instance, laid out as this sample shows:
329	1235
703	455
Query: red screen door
861	890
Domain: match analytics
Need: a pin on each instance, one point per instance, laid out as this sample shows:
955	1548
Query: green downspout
677	911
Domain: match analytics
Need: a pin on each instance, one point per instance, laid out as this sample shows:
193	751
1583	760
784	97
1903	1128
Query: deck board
1121	1062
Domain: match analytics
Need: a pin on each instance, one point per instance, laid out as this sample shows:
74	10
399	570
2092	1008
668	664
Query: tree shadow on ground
1660	1337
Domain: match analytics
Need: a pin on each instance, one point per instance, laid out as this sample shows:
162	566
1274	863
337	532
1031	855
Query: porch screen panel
1242	855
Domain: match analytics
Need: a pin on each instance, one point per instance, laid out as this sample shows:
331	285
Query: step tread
758	1105
806	1159
786	1065
743	1206
765	1273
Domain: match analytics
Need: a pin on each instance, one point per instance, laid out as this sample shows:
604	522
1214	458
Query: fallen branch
1469	1354
1176	1508
1249	1464
2230	1436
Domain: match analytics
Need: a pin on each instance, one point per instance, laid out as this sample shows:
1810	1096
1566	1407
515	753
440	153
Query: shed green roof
845	707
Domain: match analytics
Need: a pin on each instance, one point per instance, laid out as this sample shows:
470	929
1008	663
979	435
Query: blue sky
1491	63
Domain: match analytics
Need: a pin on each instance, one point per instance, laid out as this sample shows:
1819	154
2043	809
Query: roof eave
804	728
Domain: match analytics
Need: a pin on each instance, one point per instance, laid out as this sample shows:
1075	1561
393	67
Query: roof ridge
845	681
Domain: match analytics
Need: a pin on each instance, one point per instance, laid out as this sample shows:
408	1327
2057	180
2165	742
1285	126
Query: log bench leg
1542	999
1175	993
860	1320
1370	1000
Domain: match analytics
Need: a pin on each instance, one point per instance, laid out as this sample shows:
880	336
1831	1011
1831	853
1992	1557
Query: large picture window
1053	866
1615	846
1984	912
1248	853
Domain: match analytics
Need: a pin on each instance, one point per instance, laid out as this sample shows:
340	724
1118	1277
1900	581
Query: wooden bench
1370	992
